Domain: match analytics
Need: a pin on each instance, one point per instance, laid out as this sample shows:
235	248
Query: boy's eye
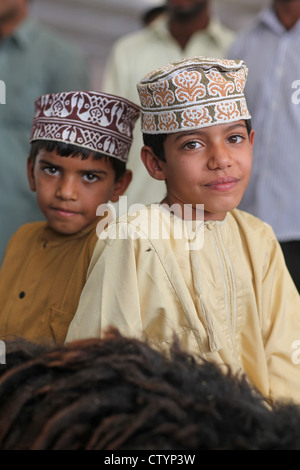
90	177
50	170
235	139
192	145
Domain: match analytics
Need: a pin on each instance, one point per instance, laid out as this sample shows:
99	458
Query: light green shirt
33	61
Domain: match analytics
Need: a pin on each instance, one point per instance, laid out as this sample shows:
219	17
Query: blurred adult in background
33	61
271	50
152	13
187	28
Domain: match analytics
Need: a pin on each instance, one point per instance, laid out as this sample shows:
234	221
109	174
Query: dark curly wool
119	394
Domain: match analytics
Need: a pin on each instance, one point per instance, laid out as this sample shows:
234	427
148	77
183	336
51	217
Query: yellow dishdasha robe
41	279
223	289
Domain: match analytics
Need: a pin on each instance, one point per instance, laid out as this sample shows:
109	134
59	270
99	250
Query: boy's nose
66	189
219	158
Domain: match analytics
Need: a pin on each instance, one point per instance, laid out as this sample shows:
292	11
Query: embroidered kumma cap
96	121
193	93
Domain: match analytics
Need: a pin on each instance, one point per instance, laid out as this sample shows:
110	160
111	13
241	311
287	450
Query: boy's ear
251	137
154	165
121	185
30	174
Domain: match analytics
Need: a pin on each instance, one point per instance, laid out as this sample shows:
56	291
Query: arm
281	326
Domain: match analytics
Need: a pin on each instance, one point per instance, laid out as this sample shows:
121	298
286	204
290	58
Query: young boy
79	147
222	287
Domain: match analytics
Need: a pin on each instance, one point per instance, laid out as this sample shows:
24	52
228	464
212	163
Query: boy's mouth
63	212
222	184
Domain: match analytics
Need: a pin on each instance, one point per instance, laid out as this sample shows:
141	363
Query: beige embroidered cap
96	121
193	93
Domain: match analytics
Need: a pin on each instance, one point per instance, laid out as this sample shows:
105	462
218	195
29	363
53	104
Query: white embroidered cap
193	93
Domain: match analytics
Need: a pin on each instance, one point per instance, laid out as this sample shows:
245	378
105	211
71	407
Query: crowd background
95	24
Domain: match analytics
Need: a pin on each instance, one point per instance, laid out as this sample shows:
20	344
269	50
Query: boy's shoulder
137	212
31	227
27	231
252	225
153	214
24	237
146	216
133	225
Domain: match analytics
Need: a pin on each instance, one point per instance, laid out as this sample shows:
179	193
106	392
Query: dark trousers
291	251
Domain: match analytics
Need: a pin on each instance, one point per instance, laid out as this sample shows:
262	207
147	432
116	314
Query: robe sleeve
281	326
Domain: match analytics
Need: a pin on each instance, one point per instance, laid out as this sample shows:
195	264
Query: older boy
187	28
223	286
79	148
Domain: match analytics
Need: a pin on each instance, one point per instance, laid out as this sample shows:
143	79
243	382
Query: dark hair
156	141
70	150
149	15
118	393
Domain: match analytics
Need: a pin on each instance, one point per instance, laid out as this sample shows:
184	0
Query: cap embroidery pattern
192	93
96	121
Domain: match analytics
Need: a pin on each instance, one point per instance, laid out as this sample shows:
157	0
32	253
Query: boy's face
70	189
209	166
